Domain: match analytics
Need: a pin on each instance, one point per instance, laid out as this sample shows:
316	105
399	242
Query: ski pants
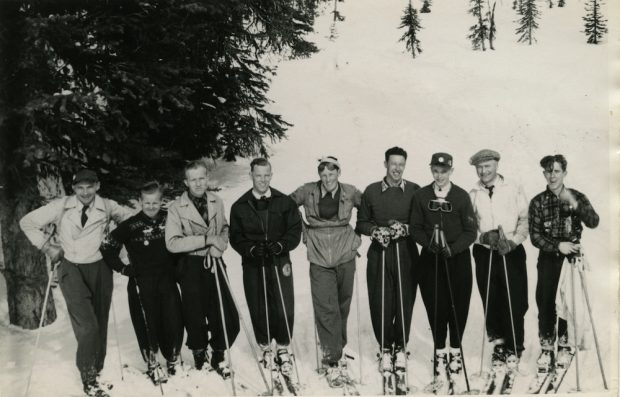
498	312
549	267
270	315
200	300
155	309
332	289
87	289
383	282
436	295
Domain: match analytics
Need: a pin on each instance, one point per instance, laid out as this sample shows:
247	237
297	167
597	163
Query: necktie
84	215
203	209
490	188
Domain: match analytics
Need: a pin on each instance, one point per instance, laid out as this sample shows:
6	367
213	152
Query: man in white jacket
85	281
498	201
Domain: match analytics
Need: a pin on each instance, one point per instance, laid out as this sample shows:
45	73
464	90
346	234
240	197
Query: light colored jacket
80	244
508	208
329	242
186	230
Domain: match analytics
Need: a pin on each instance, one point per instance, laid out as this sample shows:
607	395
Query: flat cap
85	175
441	159
484	155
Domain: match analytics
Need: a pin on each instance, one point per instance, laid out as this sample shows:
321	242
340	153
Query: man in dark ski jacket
196	227
555	221
384	216
154	301
265	225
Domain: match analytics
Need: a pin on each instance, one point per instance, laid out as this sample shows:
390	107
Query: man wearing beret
81	221
500	202
556	219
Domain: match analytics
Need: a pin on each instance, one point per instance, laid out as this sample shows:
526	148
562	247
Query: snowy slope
360	95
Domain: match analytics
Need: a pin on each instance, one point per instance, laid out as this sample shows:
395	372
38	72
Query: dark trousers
498	312
200	301
155	309
389	292
436	295
253	286
549	267
332	289
87	289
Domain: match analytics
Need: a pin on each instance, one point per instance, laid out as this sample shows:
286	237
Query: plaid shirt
553	221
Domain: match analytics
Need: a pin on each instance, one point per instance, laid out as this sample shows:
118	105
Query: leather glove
129	271
259	250
54	252
398	229
275	247
490	238
434	247
505	246
382	235
446	251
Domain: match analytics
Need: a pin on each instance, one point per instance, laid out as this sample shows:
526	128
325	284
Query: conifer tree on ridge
411	23
595	24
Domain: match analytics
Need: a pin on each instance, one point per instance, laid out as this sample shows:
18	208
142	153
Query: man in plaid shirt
555	222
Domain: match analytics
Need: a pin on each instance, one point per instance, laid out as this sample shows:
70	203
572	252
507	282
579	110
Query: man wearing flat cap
80	223
332	247
501	209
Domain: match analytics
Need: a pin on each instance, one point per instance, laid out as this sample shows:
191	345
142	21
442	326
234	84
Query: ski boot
333	376
200	358
546	360
386	368
284	361
565	355
93	389
156	374
400	371
219	364
171	367
455	374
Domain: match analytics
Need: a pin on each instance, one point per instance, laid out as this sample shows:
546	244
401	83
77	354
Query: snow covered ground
361	94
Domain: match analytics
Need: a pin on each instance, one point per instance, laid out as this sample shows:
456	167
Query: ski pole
456	321
572	290
288	328
402	314
224	328
41	320
150	355
118	345
359	339
316	345
486	306
435	239
221	263
382	304
512	322
271	355
598	350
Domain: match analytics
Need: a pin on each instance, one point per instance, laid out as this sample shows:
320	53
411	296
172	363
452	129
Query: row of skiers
184	246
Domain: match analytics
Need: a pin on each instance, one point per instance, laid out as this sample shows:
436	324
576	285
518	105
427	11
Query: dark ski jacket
247	229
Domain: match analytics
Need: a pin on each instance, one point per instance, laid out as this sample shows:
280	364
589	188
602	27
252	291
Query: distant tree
492	29
516	5
561	3
550	3
337	17
426	6
411	23
527	23
595	24
479	32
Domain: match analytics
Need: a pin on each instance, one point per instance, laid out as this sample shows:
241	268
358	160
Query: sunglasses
440	205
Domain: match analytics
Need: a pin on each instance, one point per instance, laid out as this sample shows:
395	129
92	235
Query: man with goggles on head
384	216
444	205
332	247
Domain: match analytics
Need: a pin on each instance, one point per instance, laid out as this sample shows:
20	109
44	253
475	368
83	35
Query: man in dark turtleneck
384	216
154	301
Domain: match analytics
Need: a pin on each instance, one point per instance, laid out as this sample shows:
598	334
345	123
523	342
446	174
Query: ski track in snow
361	94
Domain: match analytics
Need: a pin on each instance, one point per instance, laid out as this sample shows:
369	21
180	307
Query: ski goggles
440	205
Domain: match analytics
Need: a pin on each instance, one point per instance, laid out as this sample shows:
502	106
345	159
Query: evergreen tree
479	32
595	24
426	6
411	23
131	89
561	3
492	29
550	3
527	23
